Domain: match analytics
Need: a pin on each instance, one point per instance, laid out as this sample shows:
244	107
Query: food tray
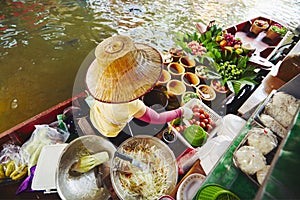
213	115
261	108
269	157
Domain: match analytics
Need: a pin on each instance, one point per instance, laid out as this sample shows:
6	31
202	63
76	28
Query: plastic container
213	115
215	192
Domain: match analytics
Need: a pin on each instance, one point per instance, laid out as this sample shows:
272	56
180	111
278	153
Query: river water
44	42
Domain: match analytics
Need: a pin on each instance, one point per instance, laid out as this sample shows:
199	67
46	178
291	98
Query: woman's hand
187	113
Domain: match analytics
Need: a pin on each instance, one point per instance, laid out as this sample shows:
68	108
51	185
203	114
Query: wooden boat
21	133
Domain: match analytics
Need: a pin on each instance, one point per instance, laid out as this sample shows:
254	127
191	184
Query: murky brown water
43	43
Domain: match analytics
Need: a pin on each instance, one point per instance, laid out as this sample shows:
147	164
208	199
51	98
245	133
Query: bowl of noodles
131	182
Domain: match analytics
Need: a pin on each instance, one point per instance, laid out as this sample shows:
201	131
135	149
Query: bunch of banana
9	170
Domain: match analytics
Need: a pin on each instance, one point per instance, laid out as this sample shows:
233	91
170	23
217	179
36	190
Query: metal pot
84	186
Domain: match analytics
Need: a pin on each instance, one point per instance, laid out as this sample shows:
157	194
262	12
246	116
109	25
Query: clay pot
190	79
164	78
175	88
187	62
176	69
259	26
272	35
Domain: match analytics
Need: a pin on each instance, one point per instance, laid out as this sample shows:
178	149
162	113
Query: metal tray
260	110
269	157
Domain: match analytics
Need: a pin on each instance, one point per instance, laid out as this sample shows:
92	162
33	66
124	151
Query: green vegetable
195	135
86	163
177	121
190	96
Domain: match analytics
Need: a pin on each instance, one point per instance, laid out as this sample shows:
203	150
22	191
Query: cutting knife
133	161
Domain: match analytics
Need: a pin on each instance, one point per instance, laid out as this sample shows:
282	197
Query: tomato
203	125
197	123
196	114
202	116
201	111
195	110
205	121
213	123
209	120
209	127
206	115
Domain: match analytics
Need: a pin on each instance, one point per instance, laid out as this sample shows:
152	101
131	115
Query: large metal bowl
84	186
162	157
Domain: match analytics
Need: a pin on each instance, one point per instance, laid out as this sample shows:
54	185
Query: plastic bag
41	136
11	152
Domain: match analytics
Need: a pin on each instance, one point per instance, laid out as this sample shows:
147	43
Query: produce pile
227	56
12	166
200	118
16	161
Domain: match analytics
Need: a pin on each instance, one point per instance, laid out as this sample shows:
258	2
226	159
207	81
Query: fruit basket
203	117
215	191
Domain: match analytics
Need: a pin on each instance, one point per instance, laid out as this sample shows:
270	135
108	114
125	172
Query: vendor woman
122	72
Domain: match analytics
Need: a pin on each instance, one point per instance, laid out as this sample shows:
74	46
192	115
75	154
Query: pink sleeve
151	116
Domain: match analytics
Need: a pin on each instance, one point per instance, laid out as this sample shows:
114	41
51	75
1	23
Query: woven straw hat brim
127	78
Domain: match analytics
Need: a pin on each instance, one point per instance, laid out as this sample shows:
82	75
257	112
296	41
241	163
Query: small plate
189	187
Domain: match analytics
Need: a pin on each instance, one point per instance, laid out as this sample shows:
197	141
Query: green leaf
210	54
234	86
202	38
247	81
208	35
195	36
242	62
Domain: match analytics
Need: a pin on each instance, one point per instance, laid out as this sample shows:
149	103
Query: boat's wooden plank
22	132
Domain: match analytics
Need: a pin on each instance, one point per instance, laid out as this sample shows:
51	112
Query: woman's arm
151	116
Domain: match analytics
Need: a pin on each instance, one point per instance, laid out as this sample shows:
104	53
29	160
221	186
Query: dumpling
282	107
262	139
261	174
272	124
249	159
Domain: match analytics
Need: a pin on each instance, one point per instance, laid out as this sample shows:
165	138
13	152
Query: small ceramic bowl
167	57
175	87
217	86
206	92
164	78
190	79
187	62
259	26
176	69
200	72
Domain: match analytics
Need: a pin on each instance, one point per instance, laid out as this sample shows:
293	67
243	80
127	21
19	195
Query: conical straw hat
123	70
